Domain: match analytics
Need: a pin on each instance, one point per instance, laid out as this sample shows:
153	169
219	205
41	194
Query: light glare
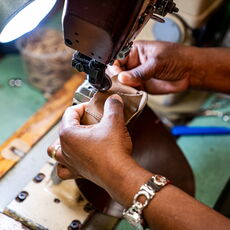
26	20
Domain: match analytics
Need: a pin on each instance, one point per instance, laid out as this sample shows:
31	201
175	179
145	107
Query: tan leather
154	148
134	102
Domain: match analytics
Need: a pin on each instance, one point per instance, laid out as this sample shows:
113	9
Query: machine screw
22	196
88	207
75	225
141	20
39	178
56	200
79	67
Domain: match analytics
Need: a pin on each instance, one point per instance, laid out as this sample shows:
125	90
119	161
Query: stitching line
97	117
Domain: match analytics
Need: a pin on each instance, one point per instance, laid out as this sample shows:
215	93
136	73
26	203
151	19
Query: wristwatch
148	190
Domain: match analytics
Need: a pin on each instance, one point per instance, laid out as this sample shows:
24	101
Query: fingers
113	111
133	59
114	69
56	153
135	77
127	78
130	62
72	116
64	173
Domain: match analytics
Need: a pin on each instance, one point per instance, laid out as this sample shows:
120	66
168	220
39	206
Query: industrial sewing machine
101	38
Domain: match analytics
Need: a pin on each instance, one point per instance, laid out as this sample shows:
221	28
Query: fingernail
116	97
125	78
121	77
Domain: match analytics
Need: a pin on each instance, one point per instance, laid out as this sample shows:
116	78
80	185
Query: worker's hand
95	152
62	171
156	67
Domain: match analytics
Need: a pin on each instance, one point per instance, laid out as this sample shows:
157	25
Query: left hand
90	151
63	172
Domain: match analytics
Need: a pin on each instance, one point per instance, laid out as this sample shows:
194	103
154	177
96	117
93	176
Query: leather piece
154	148
134	102
94	110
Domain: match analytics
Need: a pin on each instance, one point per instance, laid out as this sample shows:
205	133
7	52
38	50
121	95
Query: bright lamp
18	17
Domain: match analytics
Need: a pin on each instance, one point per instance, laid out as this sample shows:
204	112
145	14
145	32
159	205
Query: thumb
134	77
113	111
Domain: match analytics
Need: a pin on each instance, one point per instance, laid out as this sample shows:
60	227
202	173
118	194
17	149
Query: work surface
209	156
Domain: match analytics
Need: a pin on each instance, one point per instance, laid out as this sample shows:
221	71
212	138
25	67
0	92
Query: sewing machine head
102	32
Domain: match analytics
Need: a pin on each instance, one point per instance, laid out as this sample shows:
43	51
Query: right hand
156	67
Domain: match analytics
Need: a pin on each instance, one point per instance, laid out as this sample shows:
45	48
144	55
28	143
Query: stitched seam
93	115
132	94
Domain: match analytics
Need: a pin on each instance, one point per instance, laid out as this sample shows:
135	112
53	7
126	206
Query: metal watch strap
148	190
157	182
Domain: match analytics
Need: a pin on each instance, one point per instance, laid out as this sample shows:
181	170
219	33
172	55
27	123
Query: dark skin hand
101	152
171	208
163	67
